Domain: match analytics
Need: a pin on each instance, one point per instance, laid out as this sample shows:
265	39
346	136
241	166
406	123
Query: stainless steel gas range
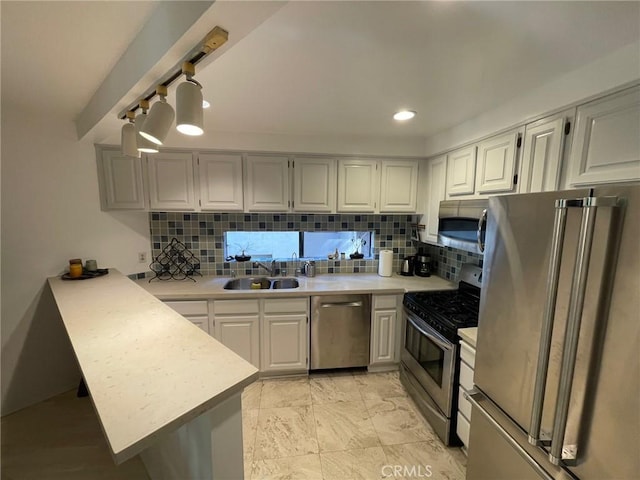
429	360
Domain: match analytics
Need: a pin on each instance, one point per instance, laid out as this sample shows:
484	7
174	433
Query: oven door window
429	355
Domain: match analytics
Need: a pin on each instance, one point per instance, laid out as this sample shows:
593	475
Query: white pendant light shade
128	140
158	122
144	145
189	109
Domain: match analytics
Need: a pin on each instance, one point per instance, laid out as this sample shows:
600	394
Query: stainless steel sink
285	283
248	283
261	283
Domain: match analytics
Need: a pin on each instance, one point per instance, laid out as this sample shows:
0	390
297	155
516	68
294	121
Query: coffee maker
422	266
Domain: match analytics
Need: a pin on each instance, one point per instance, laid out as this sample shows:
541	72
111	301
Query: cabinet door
358	186
284	343
202	322
171	183
314	185
398	186
220	181
121	181
436	184
496	164
461	171
606	143
383	336
542	155
267	186
240	334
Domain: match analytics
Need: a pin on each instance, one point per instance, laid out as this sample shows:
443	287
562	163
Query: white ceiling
333	68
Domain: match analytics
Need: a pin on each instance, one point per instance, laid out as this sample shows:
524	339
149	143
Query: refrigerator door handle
481	222
553	277
473	396
567	454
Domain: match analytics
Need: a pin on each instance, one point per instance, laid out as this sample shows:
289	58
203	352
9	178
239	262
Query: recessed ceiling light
404	115
205	104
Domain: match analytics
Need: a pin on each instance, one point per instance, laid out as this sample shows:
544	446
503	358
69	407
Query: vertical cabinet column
385	334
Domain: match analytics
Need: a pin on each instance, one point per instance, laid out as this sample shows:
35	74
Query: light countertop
148	369
469	335
212	287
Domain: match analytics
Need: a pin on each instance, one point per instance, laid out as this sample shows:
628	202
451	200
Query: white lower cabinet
385	335
237	326
467	362
272	334
285	335
196	311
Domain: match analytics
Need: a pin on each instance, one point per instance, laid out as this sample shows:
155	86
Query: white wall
50	213
616	69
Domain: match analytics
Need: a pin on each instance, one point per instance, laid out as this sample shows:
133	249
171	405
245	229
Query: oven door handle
445	345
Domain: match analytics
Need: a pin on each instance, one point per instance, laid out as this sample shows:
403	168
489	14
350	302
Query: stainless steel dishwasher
340	331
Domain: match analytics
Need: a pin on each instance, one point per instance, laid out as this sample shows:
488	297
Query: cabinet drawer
222	307
466	376
468	354
463	429
186	308
464	405
384	301
286	305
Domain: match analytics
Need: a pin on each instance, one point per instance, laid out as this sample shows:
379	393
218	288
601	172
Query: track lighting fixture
128	137
144	145
151	129
159	120
189	103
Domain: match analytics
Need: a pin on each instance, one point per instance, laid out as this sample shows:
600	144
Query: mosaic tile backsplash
203	234
447	261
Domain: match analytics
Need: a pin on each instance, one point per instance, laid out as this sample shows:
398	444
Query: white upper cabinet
544	142
496	164
314	184
398	185
358	186
171	181
461	171
220	177
267	183
435	183
120	180
606	142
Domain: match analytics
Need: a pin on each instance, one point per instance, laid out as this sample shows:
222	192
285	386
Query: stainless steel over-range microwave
462	224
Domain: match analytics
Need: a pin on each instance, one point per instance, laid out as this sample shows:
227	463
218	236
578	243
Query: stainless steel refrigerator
557	369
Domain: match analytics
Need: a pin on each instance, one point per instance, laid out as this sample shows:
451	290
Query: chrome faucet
272	270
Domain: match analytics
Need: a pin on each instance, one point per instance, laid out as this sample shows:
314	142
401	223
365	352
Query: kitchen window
285	245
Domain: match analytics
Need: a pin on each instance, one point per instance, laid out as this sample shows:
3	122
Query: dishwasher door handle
341	304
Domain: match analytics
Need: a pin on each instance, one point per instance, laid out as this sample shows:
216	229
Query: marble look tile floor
345	426
327	427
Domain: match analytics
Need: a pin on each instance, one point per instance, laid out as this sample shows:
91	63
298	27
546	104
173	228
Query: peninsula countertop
148	369
211	287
